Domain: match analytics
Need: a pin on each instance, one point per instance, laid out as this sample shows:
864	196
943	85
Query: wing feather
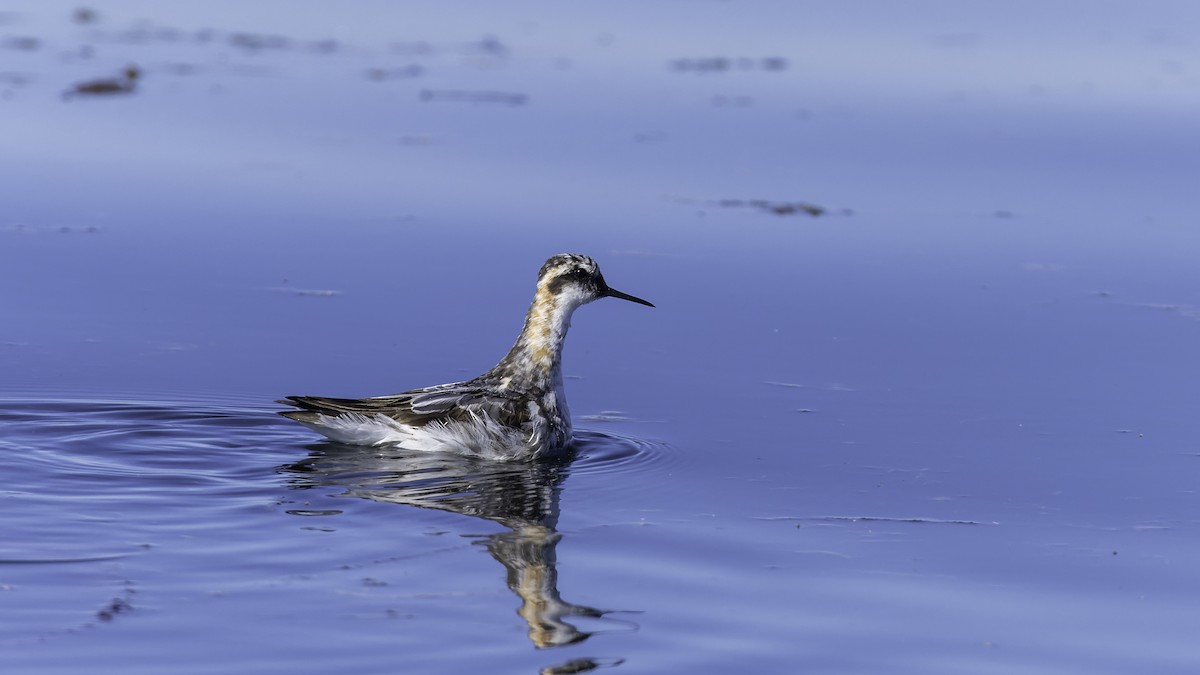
444	403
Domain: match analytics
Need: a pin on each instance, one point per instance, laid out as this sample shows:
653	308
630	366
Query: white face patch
571	297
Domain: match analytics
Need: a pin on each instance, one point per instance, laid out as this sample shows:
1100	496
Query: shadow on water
523	497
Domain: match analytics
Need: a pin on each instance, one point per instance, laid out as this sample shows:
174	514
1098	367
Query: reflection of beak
613	293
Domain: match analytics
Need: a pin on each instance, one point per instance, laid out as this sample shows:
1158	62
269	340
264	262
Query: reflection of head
529	556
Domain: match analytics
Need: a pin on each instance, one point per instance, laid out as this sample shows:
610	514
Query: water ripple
78	446
609	453
135	450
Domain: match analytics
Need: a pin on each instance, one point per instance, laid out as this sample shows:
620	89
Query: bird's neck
534	362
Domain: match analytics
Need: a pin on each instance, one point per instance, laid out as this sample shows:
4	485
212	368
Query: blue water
946	426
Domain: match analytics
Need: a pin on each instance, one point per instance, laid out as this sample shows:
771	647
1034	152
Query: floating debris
22	228
795	385
22	43
402	73
107	87
488	45
146	33
85	15
723	64
460	96
258	41
118	605
777	208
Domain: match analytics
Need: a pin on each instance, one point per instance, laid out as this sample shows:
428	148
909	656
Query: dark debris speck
113	608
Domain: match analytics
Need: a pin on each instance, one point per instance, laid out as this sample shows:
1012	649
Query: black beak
613	293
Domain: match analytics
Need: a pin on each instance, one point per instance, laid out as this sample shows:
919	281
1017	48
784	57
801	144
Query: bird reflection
523	497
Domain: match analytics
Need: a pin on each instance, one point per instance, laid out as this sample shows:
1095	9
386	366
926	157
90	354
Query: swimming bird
126	84
516	410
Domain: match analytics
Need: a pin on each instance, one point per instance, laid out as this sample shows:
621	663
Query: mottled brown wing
469	399
397	407
442	403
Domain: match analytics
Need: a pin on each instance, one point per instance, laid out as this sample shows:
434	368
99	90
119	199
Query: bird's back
464	417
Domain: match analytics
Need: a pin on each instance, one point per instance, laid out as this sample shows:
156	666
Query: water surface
918	395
